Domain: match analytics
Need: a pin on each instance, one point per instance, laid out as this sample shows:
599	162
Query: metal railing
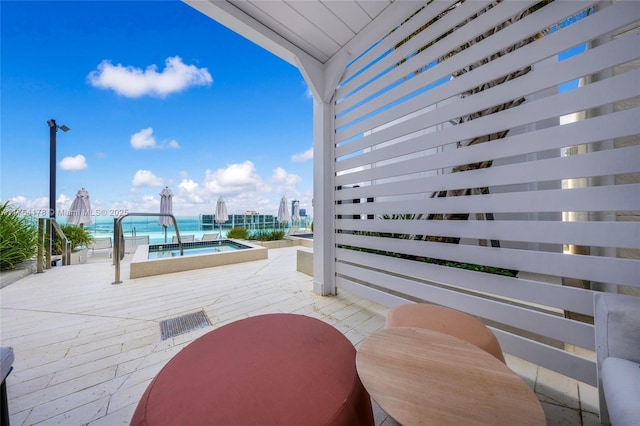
46	226
118	239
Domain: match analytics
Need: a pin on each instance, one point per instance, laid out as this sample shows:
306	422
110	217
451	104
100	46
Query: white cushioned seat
617	330
621	382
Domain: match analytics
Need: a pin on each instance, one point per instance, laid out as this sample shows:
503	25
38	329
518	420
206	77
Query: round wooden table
276	369
421	376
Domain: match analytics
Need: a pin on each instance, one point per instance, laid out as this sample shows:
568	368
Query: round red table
278	369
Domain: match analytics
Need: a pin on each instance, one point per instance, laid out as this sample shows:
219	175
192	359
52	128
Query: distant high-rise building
303	212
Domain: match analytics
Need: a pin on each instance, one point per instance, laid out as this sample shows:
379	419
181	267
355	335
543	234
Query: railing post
117	235
40	255
47	243
117	232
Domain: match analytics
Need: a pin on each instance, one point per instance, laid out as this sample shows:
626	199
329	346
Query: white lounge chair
101	243
210	237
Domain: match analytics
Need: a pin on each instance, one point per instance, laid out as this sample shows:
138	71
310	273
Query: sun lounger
184	238
210	237
101	243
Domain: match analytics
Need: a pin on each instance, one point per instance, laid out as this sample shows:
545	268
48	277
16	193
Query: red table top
269	369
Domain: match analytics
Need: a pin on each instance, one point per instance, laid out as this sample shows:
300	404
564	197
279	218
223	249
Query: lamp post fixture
53	129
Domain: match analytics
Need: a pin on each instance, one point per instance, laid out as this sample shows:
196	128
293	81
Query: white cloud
144	139
189	190
41	204
134	82
284	181
146	178
63	199
233	179
79	162
303	156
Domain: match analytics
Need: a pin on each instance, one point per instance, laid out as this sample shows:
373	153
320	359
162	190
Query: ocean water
136	226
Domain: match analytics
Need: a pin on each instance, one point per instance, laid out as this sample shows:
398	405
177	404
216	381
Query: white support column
323	199
322	81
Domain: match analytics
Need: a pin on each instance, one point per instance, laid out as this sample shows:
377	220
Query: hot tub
165	258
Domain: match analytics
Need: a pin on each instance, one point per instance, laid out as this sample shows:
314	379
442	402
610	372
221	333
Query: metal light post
53	129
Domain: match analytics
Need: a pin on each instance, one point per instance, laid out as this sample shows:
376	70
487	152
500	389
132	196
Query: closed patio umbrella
166	206
296	212
80	211
283	211
221	213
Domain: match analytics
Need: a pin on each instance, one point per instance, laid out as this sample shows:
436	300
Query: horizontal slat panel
541	323
617	125
602	163
444	91
601	269
457	38
604	92
370	293
535	81
528	291
521	58
543	355
619	197
379	66
555	359
599	234
395	144
385	45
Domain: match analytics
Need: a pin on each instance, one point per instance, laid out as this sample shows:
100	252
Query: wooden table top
421	376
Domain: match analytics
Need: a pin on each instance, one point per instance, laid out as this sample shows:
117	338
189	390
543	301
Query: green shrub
78	235
238	233
266	235
18	237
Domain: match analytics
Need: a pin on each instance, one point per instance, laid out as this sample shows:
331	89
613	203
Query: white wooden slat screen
418	210
554	44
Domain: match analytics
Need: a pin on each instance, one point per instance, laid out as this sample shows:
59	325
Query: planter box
304	261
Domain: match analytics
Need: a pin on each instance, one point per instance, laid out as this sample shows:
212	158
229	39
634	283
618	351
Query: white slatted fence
554	200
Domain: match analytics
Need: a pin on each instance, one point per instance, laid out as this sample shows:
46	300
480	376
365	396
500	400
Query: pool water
160	251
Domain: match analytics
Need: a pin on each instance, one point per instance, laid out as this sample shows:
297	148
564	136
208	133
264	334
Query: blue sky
155	93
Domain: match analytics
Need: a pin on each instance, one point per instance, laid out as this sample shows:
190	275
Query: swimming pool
159	251
158	259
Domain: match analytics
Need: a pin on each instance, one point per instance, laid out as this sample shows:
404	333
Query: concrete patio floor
86	349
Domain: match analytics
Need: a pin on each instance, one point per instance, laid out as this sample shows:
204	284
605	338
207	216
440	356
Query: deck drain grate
183	324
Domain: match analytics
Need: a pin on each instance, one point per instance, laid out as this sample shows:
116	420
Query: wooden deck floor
86	349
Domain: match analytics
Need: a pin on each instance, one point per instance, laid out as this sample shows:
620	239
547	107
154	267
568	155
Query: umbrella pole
165	234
